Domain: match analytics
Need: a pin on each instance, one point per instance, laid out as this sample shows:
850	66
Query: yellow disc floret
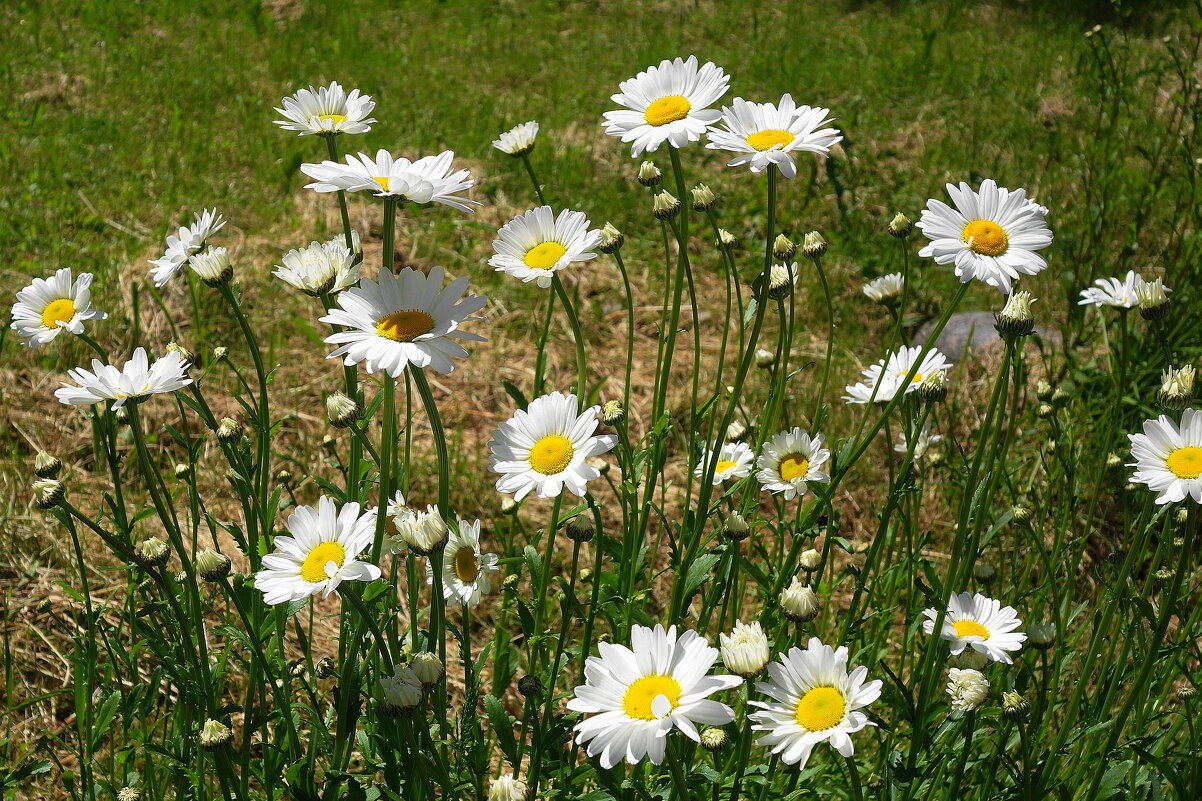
58	312
1185	462
466	566
405	325
820	709
667	109
723	466
641	694
985	237
970	628
383	182
337	119
314	568
544	256
766	140
552	454
795	465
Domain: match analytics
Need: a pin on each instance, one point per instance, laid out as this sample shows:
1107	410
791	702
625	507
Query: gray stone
971	330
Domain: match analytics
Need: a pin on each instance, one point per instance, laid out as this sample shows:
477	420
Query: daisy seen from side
50	305
766	134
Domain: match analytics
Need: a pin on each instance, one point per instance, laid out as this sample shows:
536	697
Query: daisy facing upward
979	623
763	134
535	245
667	103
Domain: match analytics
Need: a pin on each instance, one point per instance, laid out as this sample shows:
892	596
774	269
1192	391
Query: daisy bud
510	584
506	788
46	465
220	352
284	477
649	174
727	240
764	358
581	528
1043	390
1014	706
714	738
703	198
402	692
183	471
211	565
967	688
969	659
1177	388
984	573
342	411
530	686
860	545
1116	556
1042	636
1153	299
814	246
745	649
783	248
736	431
900	226
781	279
425	532
324	668
356	245
427	667
586	575
1182	515
329	443
184	354
1061	397
1163	574
508	505
886	290
810	560
152	552
613	413
933	388
735	528
611	239
122	415
1187	692
129	794
1045	411
517	141
214	735
47	493
799	603
213	266
665	206
1015	319
1020	513
229	431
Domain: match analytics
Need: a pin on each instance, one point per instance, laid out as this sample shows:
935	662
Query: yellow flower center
58	311
552	454
405	325
901	374
766	140
337	119
383	182
970	628
642	694
314	568
820	709
465	564
1185	462
544	256
667	109
985	237
794	466
724	465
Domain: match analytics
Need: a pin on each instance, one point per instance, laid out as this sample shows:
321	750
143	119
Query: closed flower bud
714	738
613	413
46	465
1042	636
508	505
213	266
799	602
649	174
285	477
1187	692
122	415
184	354
783	248
745	649
1114	461
211	565
581	528
814	246
764	358
810	560
984	573
229	431
214	735
611	239
510	584
933	388
727	240
703	198
1176	389
129	794
665	206
1061	397
1045	411
220	352
324	668
1014	706
1153	299
900	226
736	431
530	686
968	689
183	471
48	493
735	528
152	553
402	691
1015	318
506	788
342	410
586	575
1043	390
427	667
781	279
1020	513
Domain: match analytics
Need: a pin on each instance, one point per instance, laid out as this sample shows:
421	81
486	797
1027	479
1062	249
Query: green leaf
515	393
698	572
501	723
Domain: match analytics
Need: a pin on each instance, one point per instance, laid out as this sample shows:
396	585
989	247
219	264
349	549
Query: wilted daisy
49	305
427	180
518	140
545	448
968	689
763	134
668	103
924	442
465	571
734	461
320	554
885	289
814	699
322	267
1113	292
1168	457
534	245
637	695
980	623
884	379
328	110
991	234
127	383
187	242
403	319
789	461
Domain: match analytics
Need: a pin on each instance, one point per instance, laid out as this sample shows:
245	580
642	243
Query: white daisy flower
328	110
1113	292
814	699
637	695
886	288
397	516
968	688
734	461
320	554
403	319
518	140
1168	457
925	441
990	235
889	374
763	134
981	623
545	448
129	383
789	461
322	267
536	244
49	305
745	649
427	180
669	103
465	571
185	243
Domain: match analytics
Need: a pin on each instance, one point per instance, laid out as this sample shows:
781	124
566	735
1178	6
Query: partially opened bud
46	465
783	248
703	198
611	239
1177	388
810	560
48	493
727	240
1014	706
1015	318
229	431
1153	299
427	667
342	410
735	529
799	602
933	388
211	565
152	552
900	226
665	206
213	266
613	413
814	246
649	174
214	735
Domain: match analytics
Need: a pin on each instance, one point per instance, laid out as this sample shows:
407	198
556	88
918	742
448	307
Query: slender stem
346	217
854	770
538	189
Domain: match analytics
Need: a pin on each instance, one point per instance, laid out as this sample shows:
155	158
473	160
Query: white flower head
885	289
1168	457
327	110
791	460
884	379
980	623
466	572
991	234
1122	294
766	134
637	695
402	690
403	319
50	305
320	554
734	461
745	649
968	689
535	245
427	180
667	103
320	268
545	448
131	382
506	788
921	446
518	140
184	244
814	699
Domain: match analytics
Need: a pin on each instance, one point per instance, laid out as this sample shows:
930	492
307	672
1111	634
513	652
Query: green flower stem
540	591
538	189
577	336
954	787
854	771
346	217
743	753
540	358
388	440
586	638
680	783
830	341
629	328
352	595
